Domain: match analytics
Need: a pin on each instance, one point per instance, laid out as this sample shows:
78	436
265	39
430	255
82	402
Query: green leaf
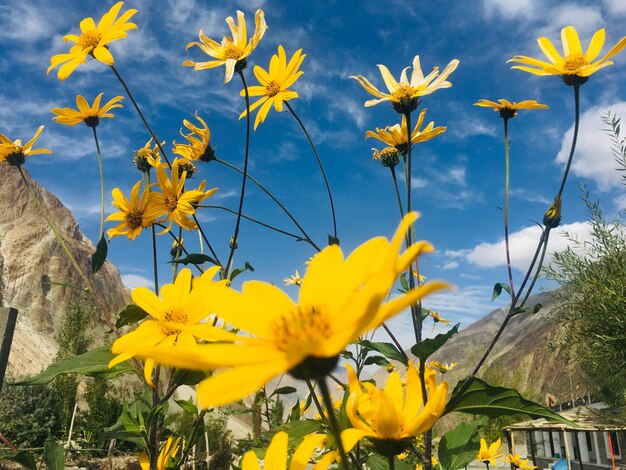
530	310
378	360
332	240
378	462
284	391
194	258
100	256
480	398
188	406
386	349
53	454
497	290
425	348
93	363
190	377
460	446
236	272
299	429
403	282
25	459
130	315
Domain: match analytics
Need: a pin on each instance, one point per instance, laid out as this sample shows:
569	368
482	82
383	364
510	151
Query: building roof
584	418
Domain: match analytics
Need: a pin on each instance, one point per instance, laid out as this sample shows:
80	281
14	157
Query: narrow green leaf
284	391
299	429
386	349
93	363
190	377
332	240
460	446
100	256
403	282
130	315
480	398
53	454
497	290
25	459
425	348
378	360
194	258
188	406
236	272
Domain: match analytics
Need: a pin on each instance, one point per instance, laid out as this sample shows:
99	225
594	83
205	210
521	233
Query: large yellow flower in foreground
14	153
339	300
490	454
276	455
404	94
574	62
90	115
168	451
509	109
392	416
94	40
397	135
199	146
232	51
275	83
134	215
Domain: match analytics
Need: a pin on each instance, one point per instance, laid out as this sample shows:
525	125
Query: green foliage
427	347
53	454
102	410
459	446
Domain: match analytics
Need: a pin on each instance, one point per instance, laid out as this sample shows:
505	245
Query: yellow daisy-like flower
168	451
94	40
148	157
90	115
490	454
199	146
14	153
508	109
388	157
232	52
437	318
517	462
276	455
293	280
176	202
180	304
575	66
397	135
404	94
339	300
442	367
133	215
392	416
274	84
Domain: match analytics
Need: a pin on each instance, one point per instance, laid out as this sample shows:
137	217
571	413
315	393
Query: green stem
332	421
206	240
397	191
506	205
396	342
101	232
574	138
192	440
319	163
538	270
177	255
391	461
154	262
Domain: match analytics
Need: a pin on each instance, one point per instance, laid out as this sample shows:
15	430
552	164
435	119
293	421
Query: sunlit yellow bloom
508	109
94	40
199	146
14	153
175	201
402	455
304	407
293	280
490	454
421	278
179	304
388	157
404	94
90	115
517	462
148	157
442	367
274	84
232	52
133	215
397	135
276	455
339	300
574	62
394	414
438	319
168	451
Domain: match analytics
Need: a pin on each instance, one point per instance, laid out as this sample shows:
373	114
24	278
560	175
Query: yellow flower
388	157
14	153
421	278
90	115
293	280
508	109
176	202
490	454
276	455
232	52
517	462
94	40
134	215
397	135
181	303
402	455
148	157
404	95
575	66
442	367
438	319
274	84
199	138
552	217
339	300
390	417
169	450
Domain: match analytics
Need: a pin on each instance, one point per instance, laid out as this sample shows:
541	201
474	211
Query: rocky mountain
32	263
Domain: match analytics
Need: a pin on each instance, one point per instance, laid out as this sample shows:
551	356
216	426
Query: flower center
232	52
573	63
403	93
174	315
171	202
272	88
302	325
134	219
89	40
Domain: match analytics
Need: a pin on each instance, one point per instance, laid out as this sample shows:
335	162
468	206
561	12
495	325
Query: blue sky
458	177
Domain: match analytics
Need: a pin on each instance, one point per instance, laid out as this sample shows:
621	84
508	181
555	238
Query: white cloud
530	196
509	9
615	7
134	280
450	265
586	19
471	127
593	158
465	304
417	183
24	22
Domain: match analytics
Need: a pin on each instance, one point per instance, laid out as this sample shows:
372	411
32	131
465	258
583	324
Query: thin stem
332	421
397	190
95	136
153	427
395	341
155	268
574	138
233	240
390	460
206	240
319	163
143	119
506	205
192	439
183	249
538	270
318	405
266	191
